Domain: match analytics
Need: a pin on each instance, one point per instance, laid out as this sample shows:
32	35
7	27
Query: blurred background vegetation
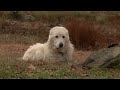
88	29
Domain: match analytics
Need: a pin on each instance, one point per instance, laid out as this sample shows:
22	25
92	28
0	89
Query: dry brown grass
88	35
23	28
85	33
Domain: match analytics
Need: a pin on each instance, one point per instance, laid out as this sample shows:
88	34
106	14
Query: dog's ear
50	32
50	35
67	34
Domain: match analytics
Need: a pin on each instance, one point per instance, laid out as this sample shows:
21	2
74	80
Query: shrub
83	34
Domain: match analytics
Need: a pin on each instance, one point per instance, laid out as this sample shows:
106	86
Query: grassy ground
12	48
16	36
12	67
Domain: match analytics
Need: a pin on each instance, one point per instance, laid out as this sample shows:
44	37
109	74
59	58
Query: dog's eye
63	36
56	36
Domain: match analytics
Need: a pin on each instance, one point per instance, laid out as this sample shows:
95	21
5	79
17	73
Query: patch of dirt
81	56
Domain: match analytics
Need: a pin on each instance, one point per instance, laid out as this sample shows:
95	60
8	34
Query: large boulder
104	58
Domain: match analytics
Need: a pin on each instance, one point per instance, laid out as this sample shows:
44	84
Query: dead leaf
31	68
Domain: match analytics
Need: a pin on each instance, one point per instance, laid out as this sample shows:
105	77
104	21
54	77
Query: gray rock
107	57
22	16
28	17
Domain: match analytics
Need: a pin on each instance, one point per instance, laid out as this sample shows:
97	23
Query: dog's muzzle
61	45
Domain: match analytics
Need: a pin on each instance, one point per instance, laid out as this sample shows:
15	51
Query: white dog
58	47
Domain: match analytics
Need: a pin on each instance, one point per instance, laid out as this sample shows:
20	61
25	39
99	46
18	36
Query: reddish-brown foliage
83	34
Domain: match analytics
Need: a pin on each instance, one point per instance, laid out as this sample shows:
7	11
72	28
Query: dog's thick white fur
58	47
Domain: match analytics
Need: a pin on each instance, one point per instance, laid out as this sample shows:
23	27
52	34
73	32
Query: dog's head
58	37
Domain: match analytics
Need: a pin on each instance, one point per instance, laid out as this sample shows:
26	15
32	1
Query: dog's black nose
61	45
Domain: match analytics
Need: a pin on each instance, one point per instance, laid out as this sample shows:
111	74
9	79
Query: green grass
9	70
